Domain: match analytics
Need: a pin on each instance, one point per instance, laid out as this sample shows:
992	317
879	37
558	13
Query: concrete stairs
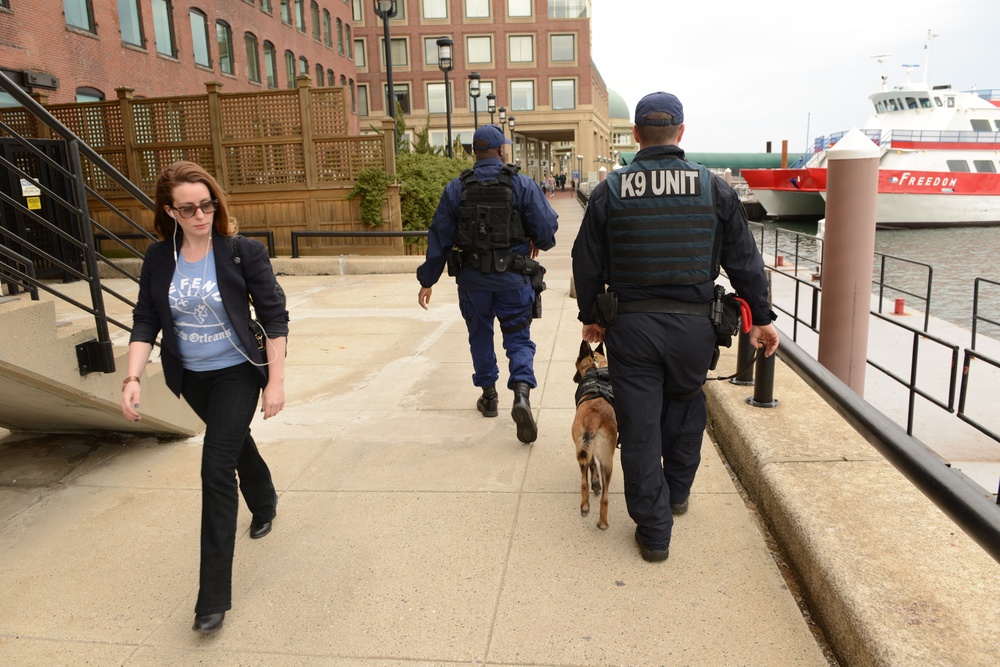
41	389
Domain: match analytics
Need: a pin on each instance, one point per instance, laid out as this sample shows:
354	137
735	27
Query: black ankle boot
487	403
527	430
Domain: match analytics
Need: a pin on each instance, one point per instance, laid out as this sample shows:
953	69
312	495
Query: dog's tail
585	452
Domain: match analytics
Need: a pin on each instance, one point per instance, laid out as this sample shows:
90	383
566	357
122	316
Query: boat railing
941	137
990	95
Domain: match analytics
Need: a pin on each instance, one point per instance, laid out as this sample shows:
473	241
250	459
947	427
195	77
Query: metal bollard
763	387
744	360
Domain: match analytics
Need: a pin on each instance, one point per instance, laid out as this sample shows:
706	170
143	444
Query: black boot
527	430
487	403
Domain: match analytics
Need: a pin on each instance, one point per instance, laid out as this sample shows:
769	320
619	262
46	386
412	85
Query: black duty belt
665	306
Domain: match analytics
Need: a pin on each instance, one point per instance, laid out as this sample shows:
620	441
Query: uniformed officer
654	234
488	228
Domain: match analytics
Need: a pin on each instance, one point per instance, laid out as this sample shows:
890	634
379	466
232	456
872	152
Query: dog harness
595	383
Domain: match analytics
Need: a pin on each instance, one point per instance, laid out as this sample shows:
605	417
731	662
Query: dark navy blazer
252	275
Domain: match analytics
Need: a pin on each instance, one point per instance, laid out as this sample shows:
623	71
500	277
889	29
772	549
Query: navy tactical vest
488	224
662	228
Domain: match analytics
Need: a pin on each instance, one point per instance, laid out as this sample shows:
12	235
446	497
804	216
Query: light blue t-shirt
201	325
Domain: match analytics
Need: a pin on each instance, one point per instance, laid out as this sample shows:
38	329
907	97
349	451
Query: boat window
951	102
981	125
985	166
879	107
892	105
911	103
937	101
925	103
958	165
997	122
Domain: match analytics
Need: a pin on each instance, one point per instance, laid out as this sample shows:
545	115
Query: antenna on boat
882	77
927	52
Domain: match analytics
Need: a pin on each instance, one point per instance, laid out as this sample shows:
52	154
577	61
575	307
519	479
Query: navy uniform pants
512	309
226	400
654	358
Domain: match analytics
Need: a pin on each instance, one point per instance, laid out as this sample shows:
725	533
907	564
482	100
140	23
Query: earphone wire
228	332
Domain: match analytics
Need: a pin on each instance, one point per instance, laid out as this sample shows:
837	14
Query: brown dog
595	427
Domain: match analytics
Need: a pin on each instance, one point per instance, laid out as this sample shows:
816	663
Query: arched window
270	65
224	39
340	36
350	42
331	78
79	14
320	81
130	19
163	27
88	94
303	65
253	57
327	33
314	15
290	68
199	38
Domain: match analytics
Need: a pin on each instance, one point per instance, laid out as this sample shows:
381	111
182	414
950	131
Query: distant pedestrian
550	183
488	228
196	284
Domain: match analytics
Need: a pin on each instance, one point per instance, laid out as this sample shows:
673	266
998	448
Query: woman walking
196	288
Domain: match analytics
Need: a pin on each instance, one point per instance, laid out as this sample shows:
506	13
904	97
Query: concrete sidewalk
410	530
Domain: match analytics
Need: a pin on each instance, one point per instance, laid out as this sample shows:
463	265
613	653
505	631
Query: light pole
491	105
386	9
474	94
446	64
513	146
503	120
579	169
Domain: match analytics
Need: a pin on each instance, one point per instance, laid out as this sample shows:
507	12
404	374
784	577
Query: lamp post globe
513	147
446	63
491	105
503	120
474	94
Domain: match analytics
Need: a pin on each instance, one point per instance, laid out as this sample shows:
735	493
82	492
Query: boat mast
927	55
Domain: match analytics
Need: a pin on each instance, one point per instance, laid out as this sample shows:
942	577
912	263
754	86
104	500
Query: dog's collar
595	383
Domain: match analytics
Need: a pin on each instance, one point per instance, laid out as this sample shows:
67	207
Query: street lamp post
503	120
474	94
579	176
446	64
386	9
491	105
513	146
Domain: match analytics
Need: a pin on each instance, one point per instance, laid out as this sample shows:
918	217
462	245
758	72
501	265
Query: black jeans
225	400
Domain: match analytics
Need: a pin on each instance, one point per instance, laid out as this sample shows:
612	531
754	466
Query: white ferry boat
939	152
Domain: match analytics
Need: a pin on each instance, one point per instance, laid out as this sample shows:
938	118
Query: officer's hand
593	333
424	297
764	336
533	253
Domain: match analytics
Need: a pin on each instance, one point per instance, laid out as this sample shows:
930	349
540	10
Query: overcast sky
753	71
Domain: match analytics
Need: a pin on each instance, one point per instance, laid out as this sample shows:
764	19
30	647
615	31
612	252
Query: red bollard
779	260
900	307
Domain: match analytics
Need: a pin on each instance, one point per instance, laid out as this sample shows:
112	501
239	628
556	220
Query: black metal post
763	386
744	361
447	109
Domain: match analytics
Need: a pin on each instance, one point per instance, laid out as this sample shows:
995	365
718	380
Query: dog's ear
600	348
584	350
576	377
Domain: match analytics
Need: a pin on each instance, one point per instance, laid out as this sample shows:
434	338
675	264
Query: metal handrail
962	501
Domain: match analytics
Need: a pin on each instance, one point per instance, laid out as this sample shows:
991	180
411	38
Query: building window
400	55
563	94
224	38
199	38
131	22
358	13
253	57
343	80
522	95
477	9
290	68
402	91
320	80
354	99
562	48
436	102
485	88
286	12
340	37
314	15
303	65
79	14
88	94
300	15
359	53
270	65
265	6
327	33
435	9
519	7
521	49
362	100
163	27
477	50
331	78
349	41
568	9
431	51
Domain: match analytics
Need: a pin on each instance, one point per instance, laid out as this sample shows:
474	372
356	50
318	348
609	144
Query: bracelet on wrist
130	378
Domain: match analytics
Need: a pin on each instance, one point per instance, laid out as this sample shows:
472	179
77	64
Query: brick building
534	55
82	50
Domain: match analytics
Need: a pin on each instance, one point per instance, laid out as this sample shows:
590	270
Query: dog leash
756	356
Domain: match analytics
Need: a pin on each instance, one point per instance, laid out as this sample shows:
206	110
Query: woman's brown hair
188	172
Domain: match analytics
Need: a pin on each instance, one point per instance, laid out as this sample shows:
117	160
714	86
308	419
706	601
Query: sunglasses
189	211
